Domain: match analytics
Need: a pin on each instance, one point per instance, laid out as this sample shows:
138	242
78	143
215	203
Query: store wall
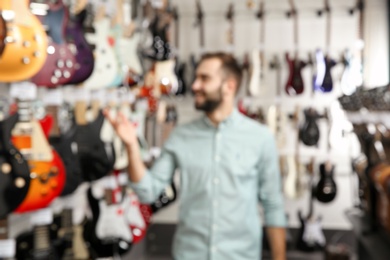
278	40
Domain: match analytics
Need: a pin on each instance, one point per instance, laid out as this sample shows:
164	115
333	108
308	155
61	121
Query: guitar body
129	53
106	69
309	133
352	75
66	146
96	157
311	237
323	81
115	35
59	67
46	186
85	61
166	198
14	170
255	74
136	219
180	70
294	85
326	189
165	77
26	43
3	34
99	247
293	185
25	248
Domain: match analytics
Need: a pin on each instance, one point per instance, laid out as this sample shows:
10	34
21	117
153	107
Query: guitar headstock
199	13
275	63
293	11
230	13
260	12
175	14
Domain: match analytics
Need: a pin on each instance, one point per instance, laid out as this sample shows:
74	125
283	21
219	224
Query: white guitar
106	66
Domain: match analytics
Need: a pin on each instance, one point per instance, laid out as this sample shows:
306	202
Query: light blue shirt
225	171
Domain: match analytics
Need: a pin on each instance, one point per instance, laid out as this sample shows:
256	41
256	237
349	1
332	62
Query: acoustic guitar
75	36
25	44
14	170
47	172
59	66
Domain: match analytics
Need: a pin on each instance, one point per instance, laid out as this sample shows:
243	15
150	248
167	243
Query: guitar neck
3	229
67	223
53	111
41	238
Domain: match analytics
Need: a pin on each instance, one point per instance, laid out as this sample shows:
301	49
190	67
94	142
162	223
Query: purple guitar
322	80
84	55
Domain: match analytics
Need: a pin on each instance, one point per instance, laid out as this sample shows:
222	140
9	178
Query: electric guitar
97	158
66	146
47	172
9	249
3	34
326	189
14	170
85	61
294	85
323	81
180	68
105	69
309	133
311	236
108	233
257	69
59	65
25	43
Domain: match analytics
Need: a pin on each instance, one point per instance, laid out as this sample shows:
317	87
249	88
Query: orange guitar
25	42
47	171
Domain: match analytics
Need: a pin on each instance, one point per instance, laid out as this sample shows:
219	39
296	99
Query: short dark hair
229	66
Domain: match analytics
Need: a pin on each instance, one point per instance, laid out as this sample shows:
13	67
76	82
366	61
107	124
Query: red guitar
47	172
60	63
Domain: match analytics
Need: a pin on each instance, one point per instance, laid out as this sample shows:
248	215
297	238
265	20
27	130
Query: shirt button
216	181
218	136
215	203
213	249
215	226
217	158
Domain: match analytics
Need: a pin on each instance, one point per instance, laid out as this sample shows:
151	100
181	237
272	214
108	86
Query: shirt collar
230	120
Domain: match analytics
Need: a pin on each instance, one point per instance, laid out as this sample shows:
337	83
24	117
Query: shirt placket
215	202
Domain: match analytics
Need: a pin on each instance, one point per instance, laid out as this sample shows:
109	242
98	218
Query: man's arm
271	197
277	240
148	184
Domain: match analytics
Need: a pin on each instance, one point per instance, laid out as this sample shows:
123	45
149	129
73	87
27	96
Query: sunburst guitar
25	42
47	171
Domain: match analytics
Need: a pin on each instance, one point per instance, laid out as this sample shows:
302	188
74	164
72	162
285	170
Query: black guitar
14	170
180	67
97	158
66	146
36	245
326	188
310	236
309	132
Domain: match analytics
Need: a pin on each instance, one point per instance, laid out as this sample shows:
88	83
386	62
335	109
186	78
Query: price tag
123	178
7	248
24	90
53	97
42	217
110	182
81	94
98	95
112	96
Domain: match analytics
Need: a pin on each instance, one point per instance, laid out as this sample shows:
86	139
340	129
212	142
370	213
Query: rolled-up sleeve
269	186
159	176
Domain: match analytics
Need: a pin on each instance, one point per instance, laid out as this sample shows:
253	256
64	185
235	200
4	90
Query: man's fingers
107	115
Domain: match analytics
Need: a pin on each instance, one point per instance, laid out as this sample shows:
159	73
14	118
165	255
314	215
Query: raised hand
125	129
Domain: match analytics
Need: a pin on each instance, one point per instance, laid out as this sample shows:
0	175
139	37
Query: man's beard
212	100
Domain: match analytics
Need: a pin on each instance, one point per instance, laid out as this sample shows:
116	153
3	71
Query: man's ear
231	85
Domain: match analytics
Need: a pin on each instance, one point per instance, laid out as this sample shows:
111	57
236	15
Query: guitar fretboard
41	238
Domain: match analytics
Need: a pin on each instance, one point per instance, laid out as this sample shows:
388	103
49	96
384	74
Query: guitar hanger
293	13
